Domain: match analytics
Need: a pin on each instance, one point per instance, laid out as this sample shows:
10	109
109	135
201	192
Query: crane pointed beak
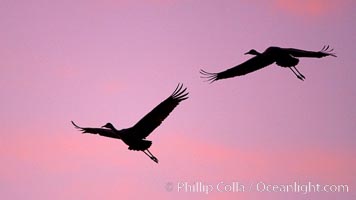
107	125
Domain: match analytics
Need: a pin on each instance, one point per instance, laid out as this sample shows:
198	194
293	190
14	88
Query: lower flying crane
135	137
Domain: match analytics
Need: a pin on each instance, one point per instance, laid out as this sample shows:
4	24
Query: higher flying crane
284	57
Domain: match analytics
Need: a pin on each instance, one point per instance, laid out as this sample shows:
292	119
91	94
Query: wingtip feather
179	93
75	124
208	76
327	51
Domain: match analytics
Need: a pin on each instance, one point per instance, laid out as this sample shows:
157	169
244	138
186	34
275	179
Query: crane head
253	52
109	126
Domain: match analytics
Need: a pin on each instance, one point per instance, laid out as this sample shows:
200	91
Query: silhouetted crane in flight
135	137
284	57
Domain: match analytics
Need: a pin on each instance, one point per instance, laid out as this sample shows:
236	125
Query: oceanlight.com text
297	187
260	186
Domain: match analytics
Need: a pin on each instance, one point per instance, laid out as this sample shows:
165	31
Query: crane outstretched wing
325	51
251	65
154	118
101	131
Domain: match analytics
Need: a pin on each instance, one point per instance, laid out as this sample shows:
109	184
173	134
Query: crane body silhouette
135	137
284	57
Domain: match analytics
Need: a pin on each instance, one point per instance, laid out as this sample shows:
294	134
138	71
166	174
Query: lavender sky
104	61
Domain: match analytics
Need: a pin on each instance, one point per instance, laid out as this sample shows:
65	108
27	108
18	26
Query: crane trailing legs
150	155
297	73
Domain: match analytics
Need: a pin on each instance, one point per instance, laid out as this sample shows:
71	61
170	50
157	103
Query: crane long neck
113	128
257	53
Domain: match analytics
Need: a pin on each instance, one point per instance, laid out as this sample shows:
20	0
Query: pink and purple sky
104	61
